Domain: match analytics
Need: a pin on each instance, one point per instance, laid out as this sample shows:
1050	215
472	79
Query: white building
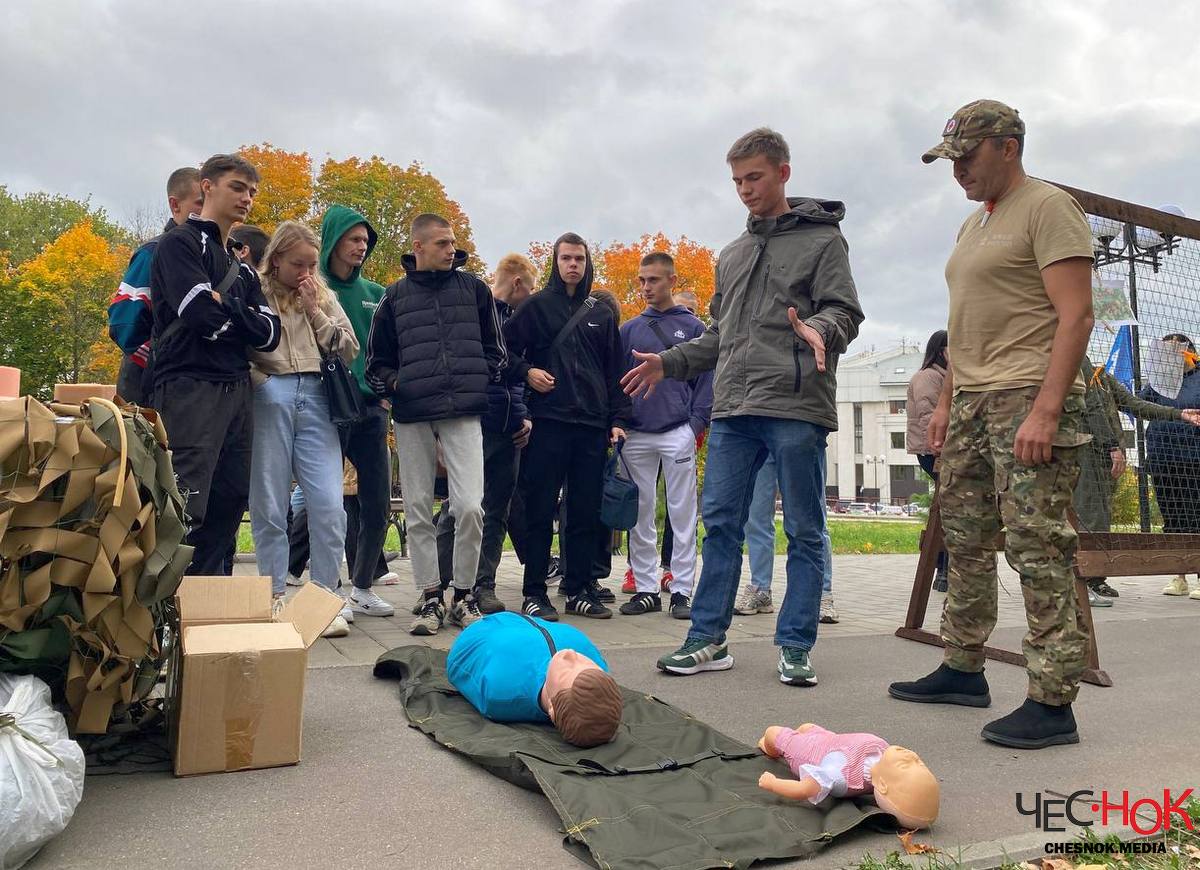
866	457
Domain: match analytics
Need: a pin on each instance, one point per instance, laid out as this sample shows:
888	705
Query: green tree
390	196
29	223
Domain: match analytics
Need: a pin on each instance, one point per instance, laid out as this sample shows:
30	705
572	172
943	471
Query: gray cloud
613	118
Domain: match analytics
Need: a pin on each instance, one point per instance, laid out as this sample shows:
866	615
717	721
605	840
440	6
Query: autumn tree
53	306
617	269
390	196
285	187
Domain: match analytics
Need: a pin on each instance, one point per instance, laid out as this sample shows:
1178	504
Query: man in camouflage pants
1009	425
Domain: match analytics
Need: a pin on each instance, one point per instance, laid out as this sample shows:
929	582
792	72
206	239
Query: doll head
906	788
584	702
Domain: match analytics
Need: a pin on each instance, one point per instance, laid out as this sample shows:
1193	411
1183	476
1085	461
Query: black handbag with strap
346	403
619	501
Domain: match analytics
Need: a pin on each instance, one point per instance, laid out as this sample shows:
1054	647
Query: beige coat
299	334
923	392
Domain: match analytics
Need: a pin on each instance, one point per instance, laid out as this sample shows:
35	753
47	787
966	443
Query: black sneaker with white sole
540	607
642	602
587	605
681	606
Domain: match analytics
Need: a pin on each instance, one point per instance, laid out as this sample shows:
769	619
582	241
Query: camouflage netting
90	552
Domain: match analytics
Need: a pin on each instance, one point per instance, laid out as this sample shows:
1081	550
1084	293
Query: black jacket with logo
189	263
587	366
435	344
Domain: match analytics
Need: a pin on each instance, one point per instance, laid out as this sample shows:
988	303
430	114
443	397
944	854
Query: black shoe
553	569
540	607
940	583
587	605
1102	588
681	606
601	593
485	597
642	602
1033	725
945	686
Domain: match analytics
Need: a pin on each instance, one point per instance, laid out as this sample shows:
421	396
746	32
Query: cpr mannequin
845	765
513	668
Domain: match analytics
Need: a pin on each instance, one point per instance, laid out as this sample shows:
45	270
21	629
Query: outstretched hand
1192	416
810	337
639	381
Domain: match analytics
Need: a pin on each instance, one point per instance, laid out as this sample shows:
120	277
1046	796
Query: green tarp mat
669	793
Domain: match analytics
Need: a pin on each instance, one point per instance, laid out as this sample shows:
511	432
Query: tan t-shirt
1002	322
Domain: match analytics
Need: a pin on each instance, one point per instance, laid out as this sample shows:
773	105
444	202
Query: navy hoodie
672	402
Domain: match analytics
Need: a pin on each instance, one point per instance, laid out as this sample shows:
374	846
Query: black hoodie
435	344
587	366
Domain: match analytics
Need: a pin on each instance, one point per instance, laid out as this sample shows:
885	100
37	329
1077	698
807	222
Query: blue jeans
738	446
760	533
295	440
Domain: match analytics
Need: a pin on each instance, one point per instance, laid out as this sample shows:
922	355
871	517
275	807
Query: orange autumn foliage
285	187
617	270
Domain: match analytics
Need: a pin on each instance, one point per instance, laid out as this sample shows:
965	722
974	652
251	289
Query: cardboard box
74	394
239	677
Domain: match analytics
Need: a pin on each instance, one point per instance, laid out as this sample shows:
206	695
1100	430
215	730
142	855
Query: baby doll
844	765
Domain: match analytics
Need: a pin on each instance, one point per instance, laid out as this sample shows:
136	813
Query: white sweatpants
675	451
462	450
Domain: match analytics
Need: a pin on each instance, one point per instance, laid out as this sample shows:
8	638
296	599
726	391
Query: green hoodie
358	296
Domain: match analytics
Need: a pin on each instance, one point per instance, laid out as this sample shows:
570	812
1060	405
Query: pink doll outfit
840	763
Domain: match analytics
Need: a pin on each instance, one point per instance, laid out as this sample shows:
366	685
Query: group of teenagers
454	362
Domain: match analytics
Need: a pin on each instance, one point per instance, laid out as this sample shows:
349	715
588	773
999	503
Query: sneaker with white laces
695	656
1177	586
277	603
337	628
391	578
293	580
465	611
366	602
753	601
430	619
795	669
829	614
347	614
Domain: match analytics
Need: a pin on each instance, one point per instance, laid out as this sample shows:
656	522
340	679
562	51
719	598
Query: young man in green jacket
347	240
784	309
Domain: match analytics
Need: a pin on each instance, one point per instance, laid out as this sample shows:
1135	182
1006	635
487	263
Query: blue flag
1120	358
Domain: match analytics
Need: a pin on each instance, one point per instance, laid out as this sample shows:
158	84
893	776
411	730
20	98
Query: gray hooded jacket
799	260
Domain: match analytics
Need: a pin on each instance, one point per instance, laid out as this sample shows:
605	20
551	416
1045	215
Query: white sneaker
391	578
293	580
347	614
1177	586
368	603
829	614
337	628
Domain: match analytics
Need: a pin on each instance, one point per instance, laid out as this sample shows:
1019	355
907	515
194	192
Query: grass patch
849	537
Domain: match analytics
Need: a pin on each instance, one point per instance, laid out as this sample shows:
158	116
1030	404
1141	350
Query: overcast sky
612	118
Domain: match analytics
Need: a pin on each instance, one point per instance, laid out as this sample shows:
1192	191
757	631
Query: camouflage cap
973	123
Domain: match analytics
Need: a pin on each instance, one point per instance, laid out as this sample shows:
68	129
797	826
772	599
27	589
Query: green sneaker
695	656
795	668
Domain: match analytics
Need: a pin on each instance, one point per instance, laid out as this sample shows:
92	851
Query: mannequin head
906	788
583	702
